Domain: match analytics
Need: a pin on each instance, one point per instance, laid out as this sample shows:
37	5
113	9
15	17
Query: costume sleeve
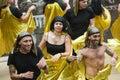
15	11
39	53
11	59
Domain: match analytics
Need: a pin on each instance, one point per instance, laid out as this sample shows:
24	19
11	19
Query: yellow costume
55	69
101	23
114	44
51	11
76	71
10	27
115	29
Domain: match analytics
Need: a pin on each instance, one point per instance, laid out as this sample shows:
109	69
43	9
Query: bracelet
21	75
115	58
67	60
44	67
60	54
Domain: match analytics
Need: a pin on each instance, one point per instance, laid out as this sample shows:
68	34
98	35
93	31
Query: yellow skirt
104	73
55	68
73	71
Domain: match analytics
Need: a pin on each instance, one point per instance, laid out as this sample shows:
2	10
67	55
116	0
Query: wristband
44	67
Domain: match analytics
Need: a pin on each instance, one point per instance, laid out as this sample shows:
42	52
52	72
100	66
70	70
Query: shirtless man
93	54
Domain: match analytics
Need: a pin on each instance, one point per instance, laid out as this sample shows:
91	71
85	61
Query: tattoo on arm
12	70
109	51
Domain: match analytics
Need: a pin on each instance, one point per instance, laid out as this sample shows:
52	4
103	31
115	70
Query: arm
43	41
16	3
15	76
68	5
42	65
112	54
67	47
92	22
26	16
118	8
72	58
67	50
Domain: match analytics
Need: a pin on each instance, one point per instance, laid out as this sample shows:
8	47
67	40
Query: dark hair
59	19
97	7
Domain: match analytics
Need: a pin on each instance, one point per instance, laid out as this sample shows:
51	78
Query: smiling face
95	38
58	26
26	44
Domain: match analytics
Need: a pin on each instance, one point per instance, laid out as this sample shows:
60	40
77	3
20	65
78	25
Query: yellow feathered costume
10	27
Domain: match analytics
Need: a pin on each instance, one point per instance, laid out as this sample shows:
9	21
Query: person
92	55
79	18
114	43
102	16
12	22
26	59
58	45
53	8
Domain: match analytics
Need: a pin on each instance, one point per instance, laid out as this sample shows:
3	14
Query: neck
23	51
57	33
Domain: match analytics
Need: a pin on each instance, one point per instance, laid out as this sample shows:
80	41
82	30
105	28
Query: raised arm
26	16
68	5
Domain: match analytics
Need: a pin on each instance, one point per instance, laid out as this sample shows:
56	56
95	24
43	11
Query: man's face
26	44
95	38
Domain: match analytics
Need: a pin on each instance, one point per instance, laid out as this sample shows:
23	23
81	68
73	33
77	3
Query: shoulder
104	44
82	50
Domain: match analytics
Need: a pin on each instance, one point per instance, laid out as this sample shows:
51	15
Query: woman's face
58	26
83	4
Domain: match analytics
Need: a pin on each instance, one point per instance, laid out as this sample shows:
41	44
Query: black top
79	23
15	11
54	49
26	62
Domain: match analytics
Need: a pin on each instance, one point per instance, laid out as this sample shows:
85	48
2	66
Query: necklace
56	39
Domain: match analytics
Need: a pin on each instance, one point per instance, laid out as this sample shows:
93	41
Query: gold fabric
51	11
78	43
115	29
114	44
10	27
104	73
55	68
76	71
73	71
101	23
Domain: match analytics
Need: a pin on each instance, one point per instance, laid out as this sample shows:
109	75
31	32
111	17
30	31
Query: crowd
71	47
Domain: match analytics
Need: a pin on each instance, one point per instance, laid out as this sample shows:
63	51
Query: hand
66	1
41	63
113	61
56	57
28	74
71	58
33	7
118	8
